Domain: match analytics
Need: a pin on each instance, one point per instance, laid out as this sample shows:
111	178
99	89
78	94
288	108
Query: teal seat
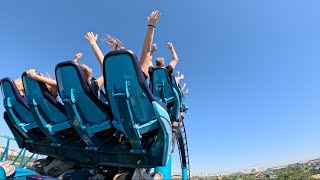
49	114
162	88
183	104
137	113
89	114
17	111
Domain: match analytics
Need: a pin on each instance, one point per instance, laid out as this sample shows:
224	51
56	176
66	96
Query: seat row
85	128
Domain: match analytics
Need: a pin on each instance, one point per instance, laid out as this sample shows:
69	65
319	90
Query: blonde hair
159	61
87	71
19	84
114	42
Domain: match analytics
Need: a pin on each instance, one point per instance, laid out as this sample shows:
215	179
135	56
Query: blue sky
252	67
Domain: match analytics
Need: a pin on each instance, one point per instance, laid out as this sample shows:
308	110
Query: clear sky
252	67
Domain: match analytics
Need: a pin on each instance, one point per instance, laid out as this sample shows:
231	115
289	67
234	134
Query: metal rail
183	150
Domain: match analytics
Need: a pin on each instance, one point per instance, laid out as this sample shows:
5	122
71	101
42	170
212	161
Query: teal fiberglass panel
34	94
68	79
20	110
119	70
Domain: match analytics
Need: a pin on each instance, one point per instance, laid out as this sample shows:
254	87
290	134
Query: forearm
45	80
182	88
174	55
98	53
147	43
76	60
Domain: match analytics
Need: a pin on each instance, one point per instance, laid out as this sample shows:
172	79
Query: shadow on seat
89	114
138	114
162	88
49	114
18	113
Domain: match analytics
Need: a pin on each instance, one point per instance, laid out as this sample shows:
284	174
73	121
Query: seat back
124	78
16	106
183	104
161	86
38	95
134	106
73	87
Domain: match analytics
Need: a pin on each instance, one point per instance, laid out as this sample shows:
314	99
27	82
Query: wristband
151	25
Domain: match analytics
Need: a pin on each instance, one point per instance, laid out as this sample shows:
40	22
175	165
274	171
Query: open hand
32	73
92	39
153	18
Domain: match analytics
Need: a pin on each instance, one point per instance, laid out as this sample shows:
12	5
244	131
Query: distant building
255	170
294	165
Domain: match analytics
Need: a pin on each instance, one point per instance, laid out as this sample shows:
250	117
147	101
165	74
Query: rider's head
115	43
19	85
160	62
88	72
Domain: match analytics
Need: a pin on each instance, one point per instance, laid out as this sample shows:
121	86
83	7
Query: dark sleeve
150	71
169	70
95	88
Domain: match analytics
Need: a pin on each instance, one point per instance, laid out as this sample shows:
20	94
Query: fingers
154	47
152	14
91	35
31	72
157	14
153	18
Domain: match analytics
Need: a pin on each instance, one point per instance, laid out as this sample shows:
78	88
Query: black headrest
140	75
86	87
15	91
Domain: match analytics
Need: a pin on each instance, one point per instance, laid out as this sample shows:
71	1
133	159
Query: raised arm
53	88
184	85
179	77
77	57
92	39
178	73
100	81
175	58
32	73
145	61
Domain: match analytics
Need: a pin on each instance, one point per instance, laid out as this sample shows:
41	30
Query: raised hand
170	46
154	47
32	73
91	38
153	18
77	57
178	73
